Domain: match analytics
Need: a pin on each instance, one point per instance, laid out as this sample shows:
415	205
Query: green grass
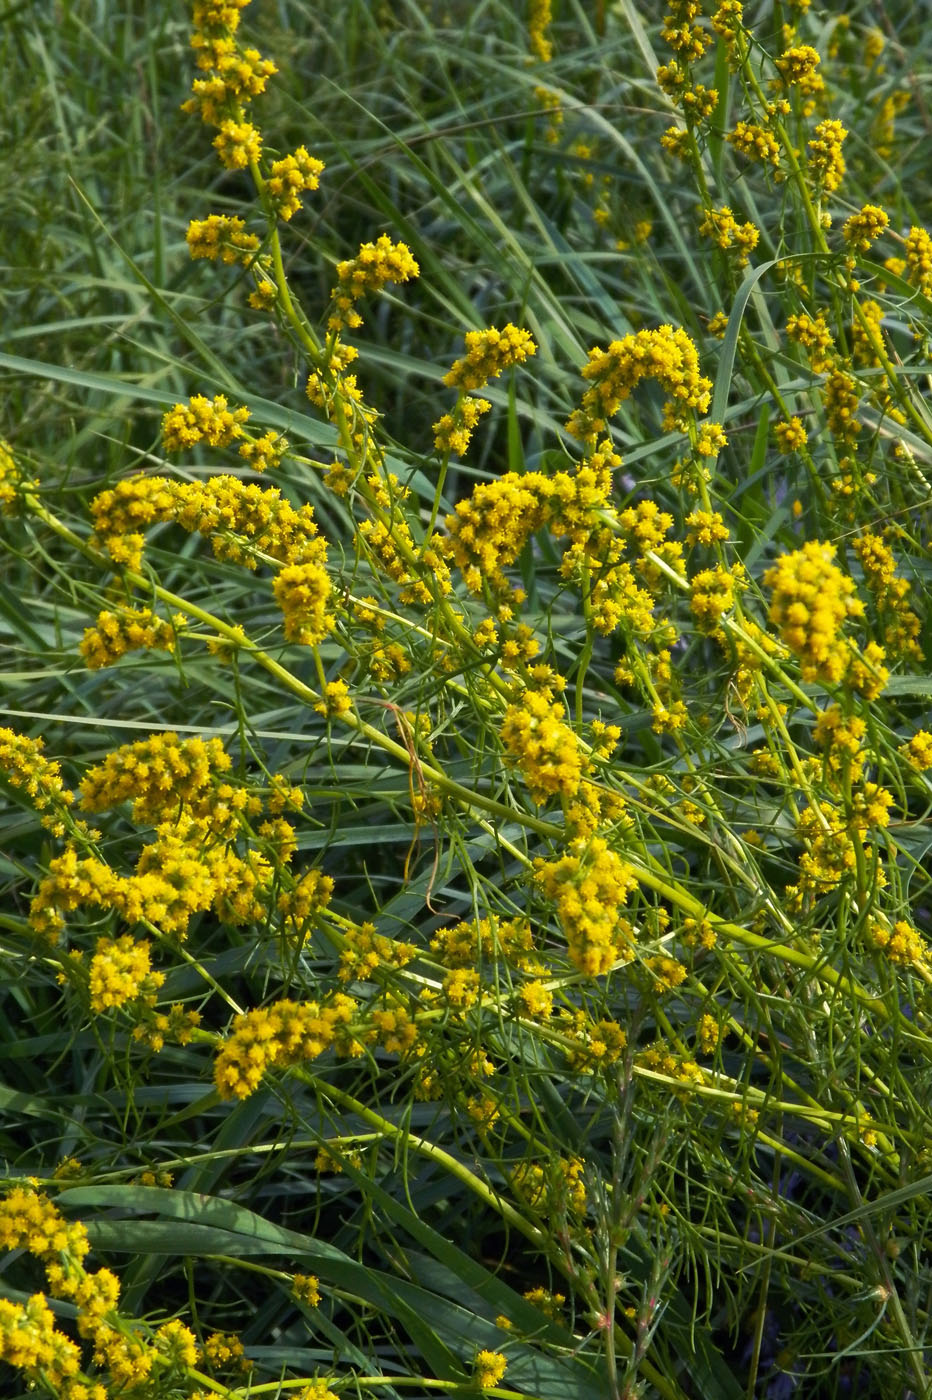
755	1220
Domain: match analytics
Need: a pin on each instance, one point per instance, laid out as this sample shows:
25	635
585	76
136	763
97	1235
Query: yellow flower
488	354
825	159
812	599
121	972
490	1367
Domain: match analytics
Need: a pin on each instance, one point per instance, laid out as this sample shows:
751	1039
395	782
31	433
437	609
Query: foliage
466	751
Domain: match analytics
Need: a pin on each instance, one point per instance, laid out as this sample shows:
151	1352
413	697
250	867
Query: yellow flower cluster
865	227
680	31
812	599
538	740
791	436
234	75
902	626
374	267
488	354
453	431
919	258
841	396
589	885
130	629
728	22
841	736
918	750
365	951
665	355
597	1043
552	1188
127	1353
225	1349
540	17
202	420
825	158
472	944
243	519
755	142
723	228
289	178
221	236
306	901
238	144
121	971
490	1365
491	527
901	944
26	768
9	477
302	591
712	594
160	775
282	1034
797	64
813	334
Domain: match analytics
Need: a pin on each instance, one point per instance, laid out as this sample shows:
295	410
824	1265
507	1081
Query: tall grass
491	931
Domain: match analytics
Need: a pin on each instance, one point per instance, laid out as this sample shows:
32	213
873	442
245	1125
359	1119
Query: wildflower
264	297
539	742
302	591
665	355
667	972
30	1342
131	629
120	972
488	354
489	1369
539	20
289	178
374	267
826	160
336	700
317	1390
723	228
589	885
813	334
842	397
159	774
452	431
812	599
221	236
902	943
865	227
223	1349
177	1343
25	767
202	420
796	64
238	144
676	142
277	1036
718	324
712	595
919	259
791	436
755	142
709	1034
10	480
306	1288
264	453
918	750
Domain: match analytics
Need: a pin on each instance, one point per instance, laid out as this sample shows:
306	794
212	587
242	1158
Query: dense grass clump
466	745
